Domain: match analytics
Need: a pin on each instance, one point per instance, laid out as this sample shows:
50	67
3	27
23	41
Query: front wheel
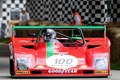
11	67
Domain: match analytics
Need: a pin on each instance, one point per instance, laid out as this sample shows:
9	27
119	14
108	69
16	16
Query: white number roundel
62	61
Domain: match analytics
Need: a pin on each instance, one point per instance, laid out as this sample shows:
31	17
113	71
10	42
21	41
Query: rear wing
62	27
103	28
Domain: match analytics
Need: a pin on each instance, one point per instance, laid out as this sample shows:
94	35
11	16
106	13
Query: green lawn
115	66
4	40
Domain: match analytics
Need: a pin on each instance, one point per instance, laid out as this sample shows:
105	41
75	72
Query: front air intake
36	72
93	46
88	71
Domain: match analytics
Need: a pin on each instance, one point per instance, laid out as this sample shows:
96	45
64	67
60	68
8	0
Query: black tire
11	67
105	76
102	77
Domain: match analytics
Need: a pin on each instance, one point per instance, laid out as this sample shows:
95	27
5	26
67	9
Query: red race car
59	51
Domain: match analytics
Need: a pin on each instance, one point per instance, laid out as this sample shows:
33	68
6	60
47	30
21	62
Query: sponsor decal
61	71
101	72
23	72
62	61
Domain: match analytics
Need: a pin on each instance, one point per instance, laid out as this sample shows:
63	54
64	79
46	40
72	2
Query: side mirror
32	35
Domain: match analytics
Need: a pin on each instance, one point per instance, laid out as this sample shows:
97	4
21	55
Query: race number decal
62	61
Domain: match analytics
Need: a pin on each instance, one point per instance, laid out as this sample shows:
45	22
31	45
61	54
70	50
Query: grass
115	66
4	40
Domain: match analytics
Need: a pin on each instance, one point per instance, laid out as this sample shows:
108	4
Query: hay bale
33	22
62	24
21	24
44	23
113	33
113	24
41	23
30	23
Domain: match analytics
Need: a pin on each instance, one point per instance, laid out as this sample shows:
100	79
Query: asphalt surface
4	50
4	69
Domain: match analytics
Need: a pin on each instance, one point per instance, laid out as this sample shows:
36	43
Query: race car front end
81	71
62	66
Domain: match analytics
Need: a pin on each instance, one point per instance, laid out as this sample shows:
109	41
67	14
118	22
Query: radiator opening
88	71
36	72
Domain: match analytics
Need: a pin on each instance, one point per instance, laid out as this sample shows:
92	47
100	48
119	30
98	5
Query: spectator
77	20
24	15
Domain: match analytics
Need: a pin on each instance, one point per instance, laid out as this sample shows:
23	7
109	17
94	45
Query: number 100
63	61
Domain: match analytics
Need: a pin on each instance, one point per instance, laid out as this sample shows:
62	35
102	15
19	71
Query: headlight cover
101	63
23	63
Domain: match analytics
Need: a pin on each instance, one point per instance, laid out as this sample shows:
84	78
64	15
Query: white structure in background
10	11
0	16
0	26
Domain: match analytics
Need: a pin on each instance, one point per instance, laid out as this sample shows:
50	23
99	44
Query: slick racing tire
11	67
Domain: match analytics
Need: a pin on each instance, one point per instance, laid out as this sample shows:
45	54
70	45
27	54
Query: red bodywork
57	60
